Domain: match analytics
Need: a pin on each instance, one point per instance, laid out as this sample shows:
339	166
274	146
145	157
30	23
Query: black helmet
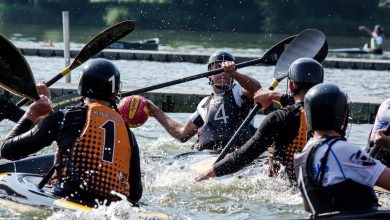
306	70
220	56
326	108
100	79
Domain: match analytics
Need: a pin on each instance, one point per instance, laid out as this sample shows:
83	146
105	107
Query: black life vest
344	196
223	118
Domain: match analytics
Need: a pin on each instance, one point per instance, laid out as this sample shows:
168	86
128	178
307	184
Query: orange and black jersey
10	111
278	129
22	141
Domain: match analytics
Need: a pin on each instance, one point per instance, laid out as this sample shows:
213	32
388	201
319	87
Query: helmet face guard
219	57
223	86
100	79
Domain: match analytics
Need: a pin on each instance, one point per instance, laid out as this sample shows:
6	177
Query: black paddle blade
97	44
15	73
323	53
272	56
102	40
308	43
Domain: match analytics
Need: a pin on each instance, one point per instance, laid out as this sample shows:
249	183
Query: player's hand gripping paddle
310	43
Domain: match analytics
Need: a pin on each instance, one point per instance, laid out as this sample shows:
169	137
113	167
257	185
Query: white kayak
19	193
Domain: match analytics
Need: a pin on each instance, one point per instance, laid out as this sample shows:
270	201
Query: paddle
270	58
15	73
97	44
66	100
309	43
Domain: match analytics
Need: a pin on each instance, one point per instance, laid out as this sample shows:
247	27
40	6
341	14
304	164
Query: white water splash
116	211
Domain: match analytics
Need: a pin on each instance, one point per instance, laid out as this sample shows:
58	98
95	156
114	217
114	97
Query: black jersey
10	111
278	129
222	118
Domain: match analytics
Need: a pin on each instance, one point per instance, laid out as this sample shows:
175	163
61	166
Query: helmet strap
343	130
113	104
290	87
346	121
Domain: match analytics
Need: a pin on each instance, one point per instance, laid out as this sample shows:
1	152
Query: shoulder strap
324	159
207	102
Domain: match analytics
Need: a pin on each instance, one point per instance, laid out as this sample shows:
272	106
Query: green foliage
20	12
116	14
3	7
334	17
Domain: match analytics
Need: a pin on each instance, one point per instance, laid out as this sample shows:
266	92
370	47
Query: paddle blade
15	73
272	56
102	40
309	43
323	53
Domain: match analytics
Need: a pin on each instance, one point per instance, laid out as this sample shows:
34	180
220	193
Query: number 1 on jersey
109	141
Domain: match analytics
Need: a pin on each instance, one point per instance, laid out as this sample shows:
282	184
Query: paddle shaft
93	47
297	48
55	79
194	77
270	57
245	123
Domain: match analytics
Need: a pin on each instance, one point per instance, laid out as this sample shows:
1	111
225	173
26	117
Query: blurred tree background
335	17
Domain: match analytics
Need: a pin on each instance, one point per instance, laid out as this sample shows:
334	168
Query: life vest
99	158
223	118
344	196
374	43
286	156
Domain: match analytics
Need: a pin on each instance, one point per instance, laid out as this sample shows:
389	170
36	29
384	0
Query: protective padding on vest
286	158
101	155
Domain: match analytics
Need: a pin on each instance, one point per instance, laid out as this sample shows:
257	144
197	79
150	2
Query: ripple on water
169	185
